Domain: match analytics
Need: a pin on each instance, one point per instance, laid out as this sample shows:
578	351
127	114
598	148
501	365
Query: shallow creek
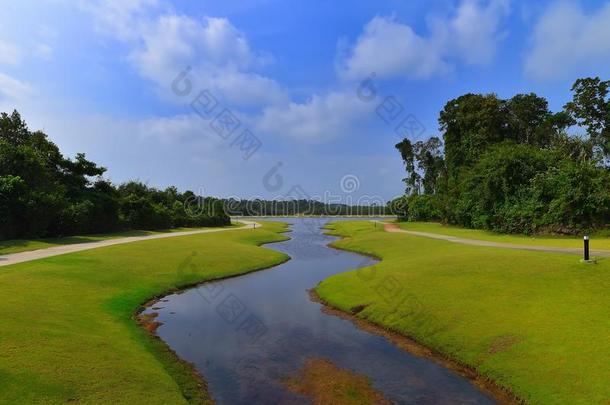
247	334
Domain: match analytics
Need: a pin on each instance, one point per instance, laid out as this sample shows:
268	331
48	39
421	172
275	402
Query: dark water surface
247	333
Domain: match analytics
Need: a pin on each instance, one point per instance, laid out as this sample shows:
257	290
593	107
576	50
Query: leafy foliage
258	207
42	193
510	165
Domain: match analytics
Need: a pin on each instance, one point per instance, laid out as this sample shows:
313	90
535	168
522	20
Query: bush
576	197
423	208
495	191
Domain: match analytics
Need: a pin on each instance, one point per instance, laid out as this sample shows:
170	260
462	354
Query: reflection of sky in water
240	369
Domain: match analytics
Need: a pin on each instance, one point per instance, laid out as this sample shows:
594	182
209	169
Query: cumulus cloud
567	40
390	48
164	43
320	118
393	49
218	53
474	31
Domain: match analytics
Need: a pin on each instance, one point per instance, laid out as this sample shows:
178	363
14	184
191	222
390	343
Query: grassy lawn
68	331
601	241
23	245
536	323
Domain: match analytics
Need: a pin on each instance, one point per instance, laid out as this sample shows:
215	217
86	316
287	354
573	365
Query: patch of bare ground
148	321
326	384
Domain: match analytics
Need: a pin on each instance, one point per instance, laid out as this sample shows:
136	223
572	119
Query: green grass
68	328
536	323
597	242
23	245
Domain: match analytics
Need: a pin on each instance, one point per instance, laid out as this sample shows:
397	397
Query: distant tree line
511	166
258	207
42	193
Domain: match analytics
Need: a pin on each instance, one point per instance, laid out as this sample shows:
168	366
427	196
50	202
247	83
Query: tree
526	119
470	124
42	193
511	166
429	157
413	179
423	157
590	108
13	129
575	196
500	179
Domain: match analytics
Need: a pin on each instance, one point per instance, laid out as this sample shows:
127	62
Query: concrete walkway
21	257
478	242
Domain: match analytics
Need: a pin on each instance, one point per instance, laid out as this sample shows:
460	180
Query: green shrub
423	208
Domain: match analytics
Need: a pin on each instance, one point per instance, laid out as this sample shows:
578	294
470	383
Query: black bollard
586	247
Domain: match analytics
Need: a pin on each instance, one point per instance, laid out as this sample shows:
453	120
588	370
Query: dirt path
477	242
20	257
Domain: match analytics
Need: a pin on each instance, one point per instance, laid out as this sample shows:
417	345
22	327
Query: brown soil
325	383
389	227
148	321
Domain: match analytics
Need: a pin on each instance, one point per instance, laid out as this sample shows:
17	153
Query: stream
248	333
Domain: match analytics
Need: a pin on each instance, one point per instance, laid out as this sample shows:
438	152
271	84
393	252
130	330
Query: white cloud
185	127
13	89
217	52
9	53
180	40
246	88
121	18
320	118
164	43
566	41
392	49
15	56
473	33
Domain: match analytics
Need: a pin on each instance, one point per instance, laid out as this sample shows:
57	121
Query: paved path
20	257
478	242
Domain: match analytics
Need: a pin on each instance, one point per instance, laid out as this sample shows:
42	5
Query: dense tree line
511	166
42	193
258	207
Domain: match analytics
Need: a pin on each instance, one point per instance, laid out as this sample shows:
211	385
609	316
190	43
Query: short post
586	247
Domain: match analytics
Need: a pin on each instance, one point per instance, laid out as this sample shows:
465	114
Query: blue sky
97	77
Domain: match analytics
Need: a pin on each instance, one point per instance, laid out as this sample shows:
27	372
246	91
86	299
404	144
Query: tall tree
413	179
590	108
470	123
429	157
526	119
